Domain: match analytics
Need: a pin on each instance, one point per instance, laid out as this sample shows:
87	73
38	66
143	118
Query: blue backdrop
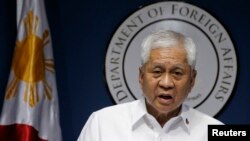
81	31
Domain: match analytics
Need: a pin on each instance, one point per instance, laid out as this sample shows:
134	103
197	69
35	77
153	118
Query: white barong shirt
131	122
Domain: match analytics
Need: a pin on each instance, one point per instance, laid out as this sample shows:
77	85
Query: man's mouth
165	99
166	96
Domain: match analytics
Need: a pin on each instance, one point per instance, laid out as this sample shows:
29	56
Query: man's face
166	79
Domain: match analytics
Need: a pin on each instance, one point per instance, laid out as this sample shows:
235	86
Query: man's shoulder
203	117
119	109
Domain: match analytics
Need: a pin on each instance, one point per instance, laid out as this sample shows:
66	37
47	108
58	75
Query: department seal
216	59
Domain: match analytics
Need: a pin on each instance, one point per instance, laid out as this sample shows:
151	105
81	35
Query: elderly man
166	76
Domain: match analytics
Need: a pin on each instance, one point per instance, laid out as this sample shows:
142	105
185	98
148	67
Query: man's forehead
167	64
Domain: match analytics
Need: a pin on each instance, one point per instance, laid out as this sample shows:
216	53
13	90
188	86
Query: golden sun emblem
29	63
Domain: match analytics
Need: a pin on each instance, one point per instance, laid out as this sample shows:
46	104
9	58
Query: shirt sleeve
90	131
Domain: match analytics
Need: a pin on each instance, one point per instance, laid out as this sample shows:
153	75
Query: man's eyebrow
157	64
179	66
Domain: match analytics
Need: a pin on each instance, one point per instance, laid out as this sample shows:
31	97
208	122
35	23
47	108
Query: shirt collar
185	114
139	111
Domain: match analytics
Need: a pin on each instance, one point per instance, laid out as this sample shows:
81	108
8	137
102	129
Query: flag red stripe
19	132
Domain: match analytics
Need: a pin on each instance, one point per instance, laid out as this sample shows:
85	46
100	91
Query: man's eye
178	73
157	72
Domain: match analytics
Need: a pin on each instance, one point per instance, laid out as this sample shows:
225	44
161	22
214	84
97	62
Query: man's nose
166	81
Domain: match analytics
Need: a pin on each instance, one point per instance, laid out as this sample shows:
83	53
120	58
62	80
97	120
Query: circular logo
216	59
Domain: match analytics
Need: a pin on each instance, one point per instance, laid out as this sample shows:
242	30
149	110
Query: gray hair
166	38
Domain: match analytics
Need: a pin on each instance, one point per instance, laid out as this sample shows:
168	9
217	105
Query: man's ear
193	77
141	73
